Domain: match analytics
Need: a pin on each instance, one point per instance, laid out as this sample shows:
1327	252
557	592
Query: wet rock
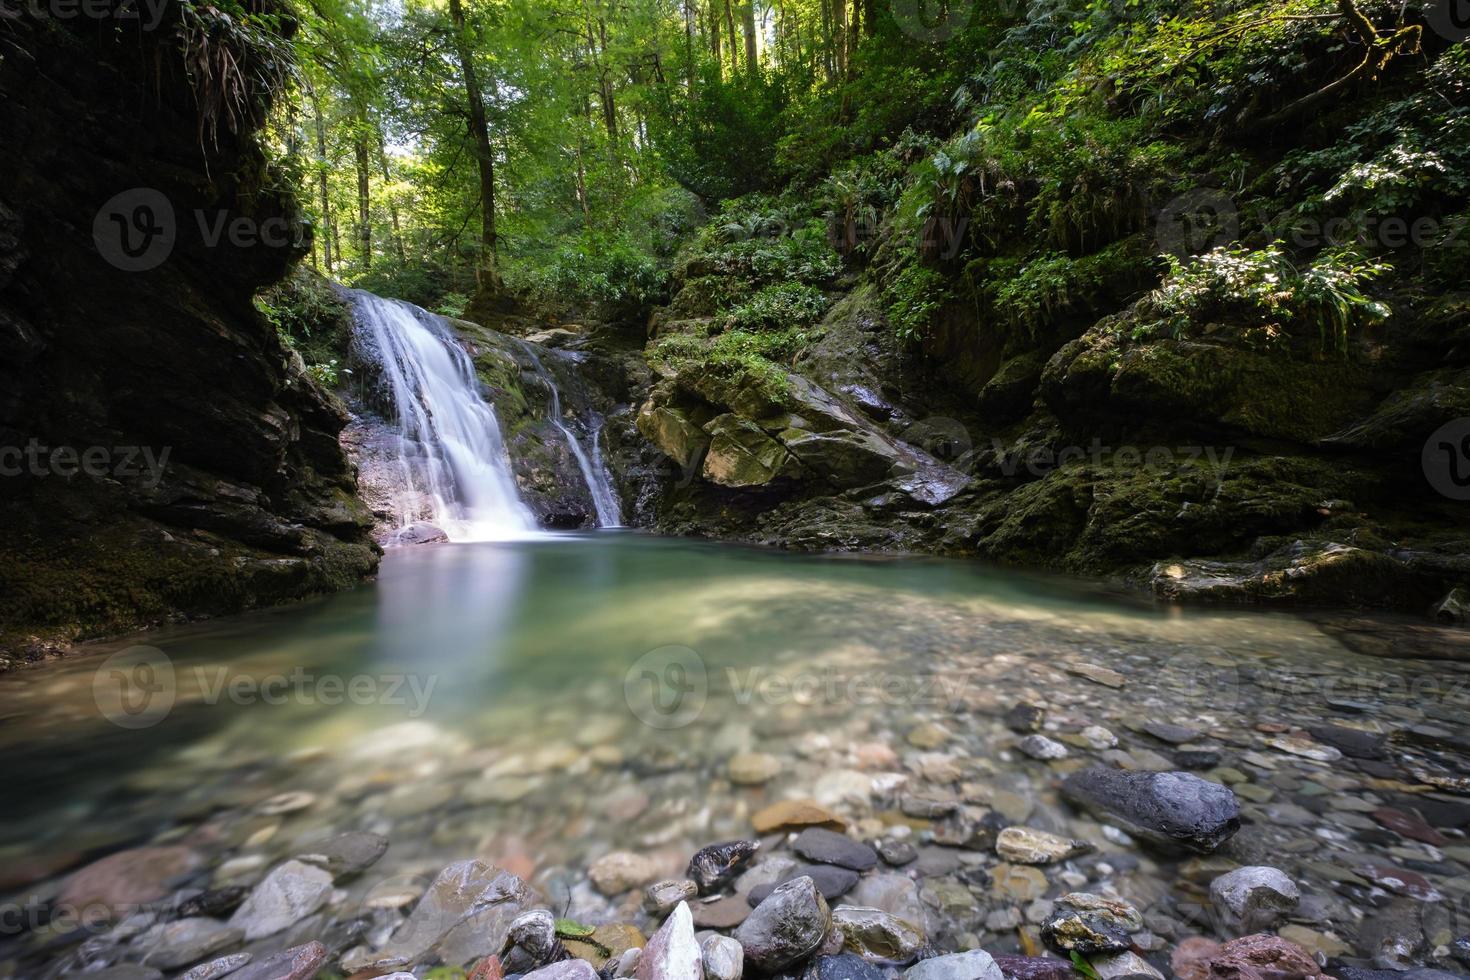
796	815
1409	825
127	879
842	966
181	942
723	957
753	768
216	903
621	871
347	854
672	953
1035	968
928	736
831	881
896	894
1262	957
723	913
1120	965
928	805
464	916
1196	758
827	847
1172	808
1401	882
961	830
1105	676
786	927
1043	748
712	867
1024	719
1025	845
1173	734
895	852
533	937
1393	936
660	897
126	971
1190	960
976	964
878	935
1351	742
1098	738
1017	883
297	963
1304	748
1453	609
284	803
1254	898
564	970
607	943
290	893
214	969
1090	925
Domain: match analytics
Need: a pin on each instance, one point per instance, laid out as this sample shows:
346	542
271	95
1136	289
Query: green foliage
1052	285
787	304
591	268
1266	294
912	298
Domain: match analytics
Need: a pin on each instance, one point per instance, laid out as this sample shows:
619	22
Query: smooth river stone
976	964
1172	808
672	953
785	928
290	893
827	847
831	881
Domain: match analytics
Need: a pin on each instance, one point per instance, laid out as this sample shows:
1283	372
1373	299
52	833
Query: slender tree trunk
689	49
364	204
839	35
734	39
714	38
328	232
747	11
487	275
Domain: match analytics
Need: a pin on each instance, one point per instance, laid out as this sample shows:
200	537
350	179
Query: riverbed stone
660	897
714	866
1024	719
1035	968
346	854
671	952
184	941
564	970
1262	956
1090	925
842	966
1254	898
290	893
895	852
1173	734
297	963
975	964
1026	845
753	768
827	847
122	881
878	935
621	871
796	815
1171	808
831	881
786	927
723	913
723	957
533	934
216	968
1120	965
1305	748
1105	676
1042	748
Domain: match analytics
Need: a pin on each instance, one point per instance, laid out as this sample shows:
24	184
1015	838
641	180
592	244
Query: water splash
594	471
455	471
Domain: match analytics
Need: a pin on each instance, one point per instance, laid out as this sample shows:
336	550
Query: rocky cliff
162	456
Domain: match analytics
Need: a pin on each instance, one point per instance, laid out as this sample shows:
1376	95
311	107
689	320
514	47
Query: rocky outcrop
165	456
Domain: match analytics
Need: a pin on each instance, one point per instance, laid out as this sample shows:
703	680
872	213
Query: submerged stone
1172	808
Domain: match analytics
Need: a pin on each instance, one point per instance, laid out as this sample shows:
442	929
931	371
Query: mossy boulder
742	455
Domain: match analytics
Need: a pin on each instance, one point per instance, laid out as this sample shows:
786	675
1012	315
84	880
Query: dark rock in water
1090	925
347	854
1035	968
1024	719
1351	742
843	966
215	903
1197	758
1171	808
831	881
1254	898
1409	825
896	852
531	941
827	847
714	866
786	927
975	835
1460	949
975	964
297	963
1173	734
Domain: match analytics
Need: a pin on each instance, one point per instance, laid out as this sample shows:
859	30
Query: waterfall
455	469
594	472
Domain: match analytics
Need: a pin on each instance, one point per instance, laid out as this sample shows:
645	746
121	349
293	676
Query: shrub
787	304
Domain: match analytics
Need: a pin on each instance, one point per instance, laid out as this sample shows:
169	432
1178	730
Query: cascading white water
450	449
594	472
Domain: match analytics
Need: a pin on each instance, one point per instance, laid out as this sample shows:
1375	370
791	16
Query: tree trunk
364	204
487	274
734	41
714	38
328	234
752	62
839	35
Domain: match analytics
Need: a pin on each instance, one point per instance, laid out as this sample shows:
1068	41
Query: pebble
1305	748
929	736
753	768
723	913
1121	965
671	952
796	815
786	927
1255	898
895	852
842	966
976	964
1105	676
1043	748
215	969
714	866
621	871
1090	925
826	847
660	897
1026	845
724	958
878	935
1173	734
831	881
288	894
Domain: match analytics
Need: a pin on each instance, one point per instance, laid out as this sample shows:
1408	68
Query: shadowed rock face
254	501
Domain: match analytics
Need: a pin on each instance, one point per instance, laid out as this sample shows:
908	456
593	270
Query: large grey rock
671	953
785	928
1255	898
346	854
828	847
975	964
297	963
878	935
1090	925
464	915
842	966
288	894
181	942
1171	808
